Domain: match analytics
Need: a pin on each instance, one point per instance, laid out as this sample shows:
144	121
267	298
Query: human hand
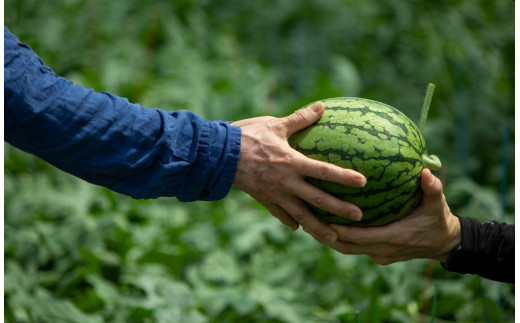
273	173
430	231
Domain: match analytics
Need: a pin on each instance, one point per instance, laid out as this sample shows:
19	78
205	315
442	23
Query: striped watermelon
378	141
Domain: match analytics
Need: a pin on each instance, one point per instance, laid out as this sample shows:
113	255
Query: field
75	252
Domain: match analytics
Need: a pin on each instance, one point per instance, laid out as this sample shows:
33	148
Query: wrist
454	238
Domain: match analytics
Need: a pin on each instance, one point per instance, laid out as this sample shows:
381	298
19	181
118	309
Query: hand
273	173
430	231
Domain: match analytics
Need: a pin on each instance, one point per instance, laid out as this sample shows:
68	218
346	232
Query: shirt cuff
463	257
211	176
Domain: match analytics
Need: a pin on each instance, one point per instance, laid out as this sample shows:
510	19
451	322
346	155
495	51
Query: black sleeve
487	249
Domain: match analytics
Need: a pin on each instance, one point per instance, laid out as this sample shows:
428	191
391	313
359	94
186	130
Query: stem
426	106
431	162
434	303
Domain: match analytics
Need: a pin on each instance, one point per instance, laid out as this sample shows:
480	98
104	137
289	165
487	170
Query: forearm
487	249
108	141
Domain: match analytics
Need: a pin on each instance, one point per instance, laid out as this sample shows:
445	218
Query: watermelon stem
431	162
426	106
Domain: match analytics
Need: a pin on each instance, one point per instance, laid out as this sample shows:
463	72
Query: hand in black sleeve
487	249
432	231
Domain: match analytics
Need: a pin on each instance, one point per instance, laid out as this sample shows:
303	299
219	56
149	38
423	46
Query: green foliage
75	252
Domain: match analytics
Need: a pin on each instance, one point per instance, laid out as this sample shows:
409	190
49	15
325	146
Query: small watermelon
376	140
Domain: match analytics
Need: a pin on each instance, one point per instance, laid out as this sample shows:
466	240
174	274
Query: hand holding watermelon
430	231
274	174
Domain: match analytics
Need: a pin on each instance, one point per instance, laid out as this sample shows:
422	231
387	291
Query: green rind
375	139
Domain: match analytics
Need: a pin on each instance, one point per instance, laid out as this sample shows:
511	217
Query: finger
321	170
325	201
431	187
363	236
381	256
378	254
281	215
310	224
348	248
303	118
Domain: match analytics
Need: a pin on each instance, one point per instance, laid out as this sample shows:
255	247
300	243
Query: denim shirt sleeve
106	140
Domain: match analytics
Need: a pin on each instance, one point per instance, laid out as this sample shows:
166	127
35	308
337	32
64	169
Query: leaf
105	290
475	201
221	267
201	236
46	308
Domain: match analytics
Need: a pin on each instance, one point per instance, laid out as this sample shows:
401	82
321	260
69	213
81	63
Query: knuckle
300	217
318	201
299	116
325	171
285	159
347	208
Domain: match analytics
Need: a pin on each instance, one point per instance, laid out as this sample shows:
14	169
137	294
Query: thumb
304	117
431	186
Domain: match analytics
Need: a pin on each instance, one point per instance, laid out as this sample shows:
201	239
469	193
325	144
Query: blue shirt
108	141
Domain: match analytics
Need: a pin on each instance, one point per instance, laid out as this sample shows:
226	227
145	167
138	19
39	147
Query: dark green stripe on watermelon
375	139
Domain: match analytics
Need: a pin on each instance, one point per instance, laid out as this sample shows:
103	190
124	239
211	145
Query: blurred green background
75	252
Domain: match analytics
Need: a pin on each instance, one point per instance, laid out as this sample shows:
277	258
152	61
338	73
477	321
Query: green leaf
221	267
45	308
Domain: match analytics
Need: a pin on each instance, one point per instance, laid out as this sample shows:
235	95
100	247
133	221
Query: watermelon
376	140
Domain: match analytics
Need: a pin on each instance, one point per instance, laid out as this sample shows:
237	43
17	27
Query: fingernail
356	215
361	182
